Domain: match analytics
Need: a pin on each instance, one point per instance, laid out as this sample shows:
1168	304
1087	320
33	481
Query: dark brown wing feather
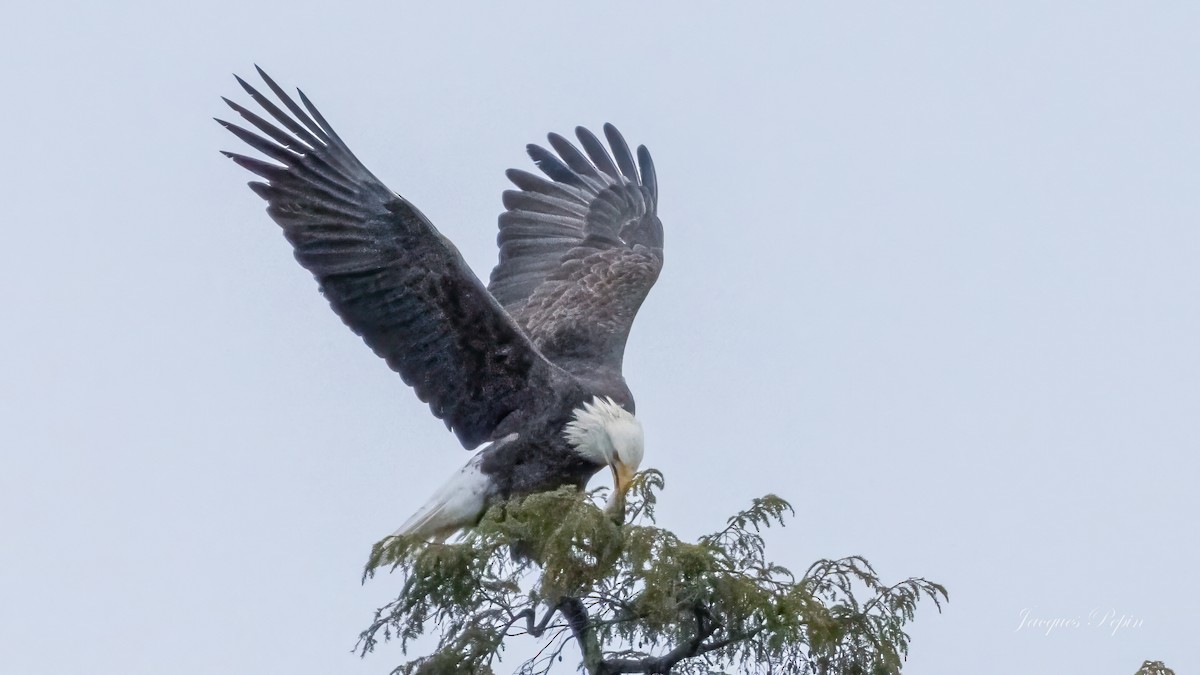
579	252
389	274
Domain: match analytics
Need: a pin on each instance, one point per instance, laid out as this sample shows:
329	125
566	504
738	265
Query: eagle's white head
608	434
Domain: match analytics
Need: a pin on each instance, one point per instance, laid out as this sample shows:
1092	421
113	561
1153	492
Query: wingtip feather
649	177
249	89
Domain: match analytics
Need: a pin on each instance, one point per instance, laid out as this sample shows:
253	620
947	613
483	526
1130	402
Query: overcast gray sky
931	274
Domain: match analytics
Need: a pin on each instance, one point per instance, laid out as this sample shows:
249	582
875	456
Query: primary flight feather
531	363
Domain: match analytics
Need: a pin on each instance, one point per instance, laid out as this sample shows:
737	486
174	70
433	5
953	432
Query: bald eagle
530	364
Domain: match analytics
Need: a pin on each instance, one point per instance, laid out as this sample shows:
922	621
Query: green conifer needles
635	598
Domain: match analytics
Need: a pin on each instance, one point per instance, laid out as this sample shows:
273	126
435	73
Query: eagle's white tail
457	504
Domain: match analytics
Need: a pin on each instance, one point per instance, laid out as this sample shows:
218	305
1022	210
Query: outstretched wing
580	249
388	273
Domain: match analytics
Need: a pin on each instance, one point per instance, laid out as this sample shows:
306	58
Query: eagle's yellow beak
622	477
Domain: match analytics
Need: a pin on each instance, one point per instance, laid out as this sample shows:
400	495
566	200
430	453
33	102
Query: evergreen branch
635	598
536	630
663	664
